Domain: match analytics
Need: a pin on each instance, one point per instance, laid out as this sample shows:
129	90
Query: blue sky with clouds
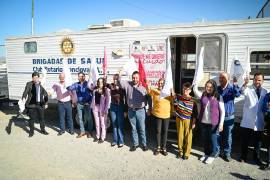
53	15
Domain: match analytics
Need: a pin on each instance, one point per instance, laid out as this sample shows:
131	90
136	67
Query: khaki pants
184	129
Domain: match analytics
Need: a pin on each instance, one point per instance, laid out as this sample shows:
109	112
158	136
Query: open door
183	60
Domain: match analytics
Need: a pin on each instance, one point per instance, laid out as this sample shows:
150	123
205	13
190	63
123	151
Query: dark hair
187	85
215	92
35	74
104	85
81	73
135	72
258	74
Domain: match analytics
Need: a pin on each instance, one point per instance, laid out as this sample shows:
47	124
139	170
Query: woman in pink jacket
100	106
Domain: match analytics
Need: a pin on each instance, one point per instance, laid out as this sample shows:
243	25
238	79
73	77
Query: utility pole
32	32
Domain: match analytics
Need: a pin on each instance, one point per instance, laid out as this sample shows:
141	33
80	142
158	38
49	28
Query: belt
63	102
229	117
84	104
135	109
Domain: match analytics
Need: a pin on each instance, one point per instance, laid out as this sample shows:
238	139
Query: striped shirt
185	108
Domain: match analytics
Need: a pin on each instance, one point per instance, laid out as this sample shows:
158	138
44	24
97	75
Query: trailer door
215	52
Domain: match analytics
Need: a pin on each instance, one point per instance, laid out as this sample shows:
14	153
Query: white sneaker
209	160
204	157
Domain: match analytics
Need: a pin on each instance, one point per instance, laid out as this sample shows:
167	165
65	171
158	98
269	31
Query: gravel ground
65	157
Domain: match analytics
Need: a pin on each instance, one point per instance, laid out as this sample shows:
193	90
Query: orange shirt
161	107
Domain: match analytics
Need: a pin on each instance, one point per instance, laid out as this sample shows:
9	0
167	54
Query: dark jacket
30	95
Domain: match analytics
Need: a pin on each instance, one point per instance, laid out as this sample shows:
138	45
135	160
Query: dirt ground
65	157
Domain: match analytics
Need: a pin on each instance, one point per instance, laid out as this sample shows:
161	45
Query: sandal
157	151
164	152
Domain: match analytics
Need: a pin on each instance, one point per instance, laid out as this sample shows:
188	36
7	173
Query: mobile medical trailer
224	42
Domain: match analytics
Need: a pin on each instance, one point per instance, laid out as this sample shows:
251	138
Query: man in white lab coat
252	124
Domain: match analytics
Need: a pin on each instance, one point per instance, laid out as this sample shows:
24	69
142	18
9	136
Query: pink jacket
105	102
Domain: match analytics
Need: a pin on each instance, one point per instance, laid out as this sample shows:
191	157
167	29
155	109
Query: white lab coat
252	111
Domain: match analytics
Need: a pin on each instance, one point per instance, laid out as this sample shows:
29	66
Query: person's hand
220	128
269	105
234	80
147	82
125	115
246	80
193	125
172	92
74	105
148	112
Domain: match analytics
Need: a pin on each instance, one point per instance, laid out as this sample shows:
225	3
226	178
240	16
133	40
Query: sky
54	15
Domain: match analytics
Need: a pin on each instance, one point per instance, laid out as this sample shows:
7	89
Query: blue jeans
65	110
117	117
210	135
137	120
226	137
84	112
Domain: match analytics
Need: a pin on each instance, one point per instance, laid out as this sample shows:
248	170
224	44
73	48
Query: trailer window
214	51
30	47
260	62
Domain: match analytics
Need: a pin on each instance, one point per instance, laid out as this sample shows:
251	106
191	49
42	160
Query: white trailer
245	40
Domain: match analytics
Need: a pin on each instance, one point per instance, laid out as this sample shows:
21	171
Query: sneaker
113	144
265	167
209	160
185	157
31	134
133	148
258	162
89	135
60	133
178	156
120	145
203	158
80	135
145	148
44	132
95	140
227	158
100	141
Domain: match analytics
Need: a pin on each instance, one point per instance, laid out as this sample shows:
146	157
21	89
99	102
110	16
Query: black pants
162	131
248	135
268	150
36	113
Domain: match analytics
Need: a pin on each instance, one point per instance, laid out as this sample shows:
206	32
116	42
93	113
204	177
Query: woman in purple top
100	106
211	118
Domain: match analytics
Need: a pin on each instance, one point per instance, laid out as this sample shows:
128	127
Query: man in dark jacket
266	110
36	98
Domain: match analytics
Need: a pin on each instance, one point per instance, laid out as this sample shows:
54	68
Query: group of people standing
215	117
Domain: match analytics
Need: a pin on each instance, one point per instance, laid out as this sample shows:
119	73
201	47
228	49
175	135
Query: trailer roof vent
125	23
65	30
99	26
